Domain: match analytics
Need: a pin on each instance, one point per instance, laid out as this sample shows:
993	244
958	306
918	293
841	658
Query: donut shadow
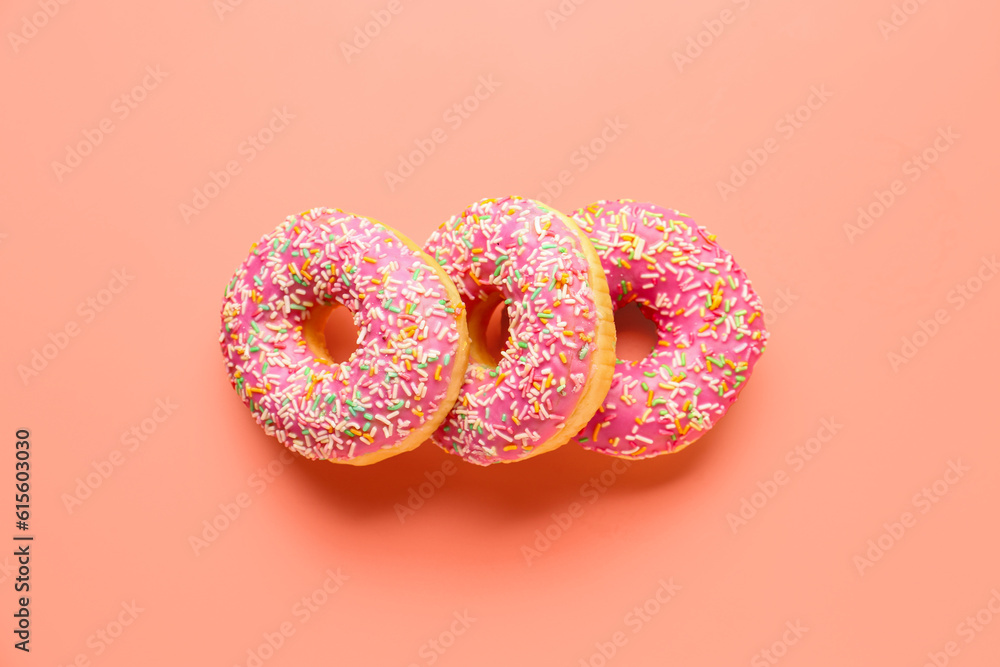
513	491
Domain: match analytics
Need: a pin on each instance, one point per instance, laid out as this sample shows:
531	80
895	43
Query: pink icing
709	323
530	256
408	335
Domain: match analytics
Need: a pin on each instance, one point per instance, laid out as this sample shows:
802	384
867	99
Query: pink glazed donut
559	358
708	320
399	384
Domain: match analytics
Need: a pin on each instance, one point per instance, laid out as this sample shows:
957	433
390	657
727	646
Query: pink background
839	303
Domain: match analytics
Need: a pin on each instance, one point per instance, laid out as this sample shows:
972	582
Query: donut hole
331	333
635	333
489	329
497	333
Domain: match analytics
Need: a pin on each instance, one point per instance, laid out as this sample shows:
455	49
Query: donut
709	323
403	378
558	360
